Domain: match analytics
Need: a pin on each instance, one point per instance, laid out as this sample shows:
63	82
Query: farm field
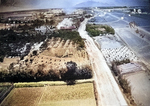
62	95
5	88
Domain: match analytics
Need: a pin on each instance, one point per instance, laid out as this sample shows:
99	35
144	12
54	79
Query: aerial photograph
74	52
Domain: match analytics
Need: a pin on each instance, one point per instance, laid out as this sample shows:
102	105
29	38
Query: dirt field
57	54
140	87
7	62
76	95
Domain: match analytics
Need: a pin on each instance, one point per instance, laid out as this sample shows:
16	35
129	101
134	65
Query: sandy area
7	61
108	42
140	87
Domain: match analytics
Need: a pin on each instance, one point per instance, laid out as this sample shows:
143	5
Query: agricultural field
49	63
62	95
5	88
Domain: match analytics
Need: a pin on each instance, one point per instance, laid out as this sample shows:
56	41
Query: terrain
35	49
44	49
80	94
66	52
102	74
128	49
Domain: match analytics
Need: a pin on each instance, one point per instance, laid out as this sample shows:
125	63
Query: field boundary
82	94
49	83
4	95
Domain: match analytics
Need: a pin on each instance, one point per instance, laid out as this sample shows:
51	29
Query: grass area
61	95
23	97
4	88
50	83
5	84
39	84
96	30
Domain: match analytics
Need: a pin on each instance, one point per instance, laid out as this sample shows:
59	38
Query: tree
52	22
34	53
69	75
71	67
74	73
42	16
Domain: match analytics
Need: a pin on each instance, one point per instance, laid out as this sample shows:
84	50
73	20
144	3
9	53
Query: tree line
71	74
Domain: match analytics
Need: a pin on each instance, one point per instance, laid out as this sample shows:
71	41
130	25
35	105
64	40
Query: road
108	90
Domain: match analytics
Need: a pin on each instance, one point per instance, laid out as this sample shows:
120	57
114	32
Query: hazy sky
70	3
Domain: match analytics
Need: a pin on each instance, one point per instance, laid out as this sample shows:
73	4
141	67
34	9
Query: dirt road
109	93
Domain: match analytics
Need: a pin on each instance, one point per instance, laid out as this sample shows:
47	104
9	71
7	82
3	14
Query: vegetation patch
13	43
47	83
5	89
79	94
96	30
20	43
122	62
13	40
23	97
22	85
68	34
124	84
